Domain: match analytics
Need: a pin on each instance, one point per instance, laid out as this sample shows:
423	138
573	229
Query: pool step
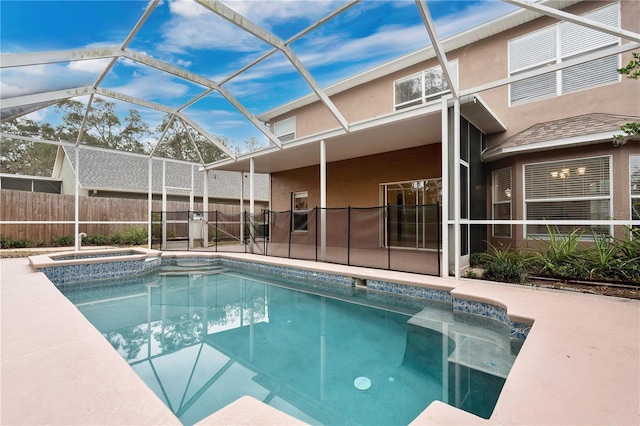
481	344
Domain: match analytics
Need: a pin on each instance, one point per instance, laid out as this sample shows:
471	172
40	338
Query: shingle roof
125	172
587	128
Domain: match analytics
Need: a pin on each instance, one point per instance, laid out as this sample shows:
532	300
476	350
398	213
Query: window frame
560	57
286	136
526	200
495	202
424	97
300	213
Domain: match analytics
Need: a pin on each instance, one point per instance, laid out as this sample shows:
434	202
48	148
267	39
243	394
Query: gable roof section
562	133
110	170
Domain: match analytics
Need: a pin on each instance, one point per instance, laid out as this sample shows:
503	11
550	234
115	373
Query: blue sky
189	36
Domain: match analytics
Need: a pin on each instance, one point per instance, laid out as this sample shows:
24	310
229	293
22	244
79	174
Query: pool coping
559	377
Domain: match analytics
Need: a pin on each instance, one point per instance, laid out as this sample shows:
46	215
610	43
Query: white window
423	87
577	189
634	186
300	211
285	130
502	201
559	43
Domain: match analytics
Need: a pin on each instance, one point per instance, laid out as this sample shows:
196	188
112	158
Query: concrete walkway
579	365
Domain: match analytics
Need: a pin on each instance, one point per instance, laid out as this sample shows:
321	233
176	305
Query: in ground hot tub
69	267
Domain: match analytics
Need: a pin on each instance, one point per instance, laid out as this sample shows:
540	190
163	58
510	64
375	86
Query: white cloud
94	66
8	90
265	13
153	87
472	16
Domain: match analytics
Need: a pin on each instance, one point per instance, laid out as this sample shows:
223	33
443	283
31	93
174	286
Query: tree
27	158
177	144
631	130
103	127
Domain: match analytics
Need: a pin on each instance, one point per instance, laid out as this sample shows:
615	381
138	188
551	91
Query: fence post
265	231
438	235
217	230
348	235
388	239
290	228
188	230
316	243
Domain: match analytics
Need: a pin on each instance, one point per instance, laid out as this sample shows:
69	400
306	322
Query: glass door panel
413	213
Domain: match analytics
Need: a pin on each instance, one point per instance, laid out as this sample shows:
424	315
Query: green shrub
476	259
65	241
134	235
505	265
563	256
96	240
11	244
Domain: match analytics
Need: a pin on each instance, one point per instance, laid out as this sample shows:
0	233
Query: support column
456	185
323	200
205	209
444	265
251	199
164	205
76	214
150	203
241	206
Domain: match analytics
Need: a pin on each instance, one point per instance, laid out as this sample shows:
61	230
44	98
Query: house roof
110	170
562	133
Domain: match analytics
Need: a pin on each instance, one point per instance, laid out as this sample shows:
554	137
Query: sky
187	35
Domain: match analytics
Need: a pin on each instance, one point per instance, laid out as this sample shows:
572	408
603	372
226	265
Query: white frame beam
439	49
237	19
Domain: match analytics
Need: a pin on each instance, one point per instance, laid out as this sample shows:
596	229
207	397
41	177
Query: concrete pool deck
580	363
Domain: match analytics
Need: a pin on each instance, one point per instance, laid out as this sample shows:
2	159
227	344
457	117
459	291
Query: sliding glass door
413	213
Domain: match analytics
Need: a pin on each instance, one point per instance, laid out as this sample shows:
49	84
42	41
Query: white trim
551	144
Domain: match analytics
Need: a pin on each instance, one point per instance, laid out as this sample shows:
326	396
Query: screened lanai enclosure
200	82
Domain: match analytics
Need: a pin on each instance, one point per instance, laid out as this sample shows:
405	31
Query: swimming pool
329	354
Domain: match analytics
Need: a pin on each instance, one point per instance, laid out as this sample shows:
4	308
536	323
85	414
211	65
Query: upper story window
558	43
423	87
285	130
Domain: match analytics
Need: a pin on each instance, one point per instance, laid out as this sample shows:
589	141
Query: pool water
202	339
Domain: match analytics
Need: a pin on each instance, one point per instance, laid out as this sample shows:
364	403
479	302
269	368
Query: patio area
579	365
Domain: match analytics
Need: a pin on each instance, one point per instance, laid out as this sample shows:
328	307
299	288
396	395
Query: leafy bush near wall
605	258
504	264
7	243
64	241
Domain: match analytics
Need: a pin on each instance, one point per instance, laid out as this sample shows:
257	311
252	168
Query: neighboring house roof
562	133
110	170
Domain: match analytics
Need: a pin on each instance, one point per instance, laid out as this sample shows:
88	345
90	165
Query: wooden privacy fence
23	206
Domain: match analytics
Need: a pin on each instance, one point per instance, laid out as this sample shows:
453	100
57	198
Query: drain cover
362	383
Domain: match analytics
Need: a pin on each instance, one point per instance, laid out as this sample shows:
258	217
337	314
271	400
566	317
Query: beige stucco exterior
480	63
356	181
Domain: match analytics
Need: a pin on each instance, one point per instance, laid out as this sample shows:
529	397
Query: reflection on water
201	340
